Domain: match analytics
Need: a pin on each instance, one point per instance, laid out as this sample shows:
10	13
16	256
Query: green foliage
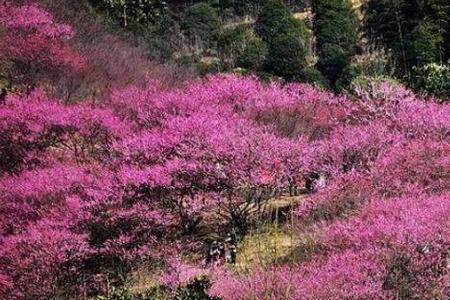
150	20
314	77
286	39
195	290
433	79
286	56
432	25
201	21
273	21
117	294
415	32
162	38
350	73
158	292
230	8
335	26
4	84
247	7
427	42
370	65
333	60
132	12
385	25
447	40
241	47
208	65
154	293
254	54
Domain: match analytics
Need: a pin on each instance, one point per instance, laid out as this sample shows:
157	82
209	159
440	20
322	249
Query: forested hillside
224	150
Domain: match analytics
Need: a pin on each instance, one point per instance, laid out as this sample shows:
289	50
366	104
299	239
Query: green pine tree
273	20
336	30
286	37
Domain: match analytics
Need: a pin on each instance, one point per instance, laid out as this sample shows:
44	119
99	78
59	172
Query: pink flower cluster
34	37
33	17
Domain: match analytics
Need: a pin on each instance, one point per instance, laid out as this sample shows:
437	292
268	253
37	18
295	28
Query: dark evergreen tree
440	12
286	56
201	20
286	39
427	43
151	20
202	25
336	31
247	7
274	20
447	43
241	47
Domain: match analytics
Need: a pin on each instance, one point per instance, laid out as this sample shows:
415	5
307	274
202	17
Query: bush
208	65
286	56
117	294
132	13
240	47
371	65
433	79
314	77
254	54
195	290
427	42
246	7
272	20
333	61
162	38
369	85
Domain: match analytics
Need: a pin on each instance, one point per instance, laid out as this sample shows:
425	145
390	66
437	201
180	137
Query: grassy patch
267	245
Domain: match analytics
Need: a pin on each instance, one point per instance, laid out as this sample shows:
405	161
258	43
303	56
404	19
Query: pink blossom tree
31	41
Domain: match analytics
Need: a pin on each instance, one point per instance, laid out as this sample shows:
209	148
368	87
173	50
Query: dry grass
308	14
264	248
142	280
271	241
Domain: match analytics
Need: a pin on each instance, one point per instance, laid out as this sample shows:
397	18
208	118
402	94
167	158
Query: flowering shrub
31	42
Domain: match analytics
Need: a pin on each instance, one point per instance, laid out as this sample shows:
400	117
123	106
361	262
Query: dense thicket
415	31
